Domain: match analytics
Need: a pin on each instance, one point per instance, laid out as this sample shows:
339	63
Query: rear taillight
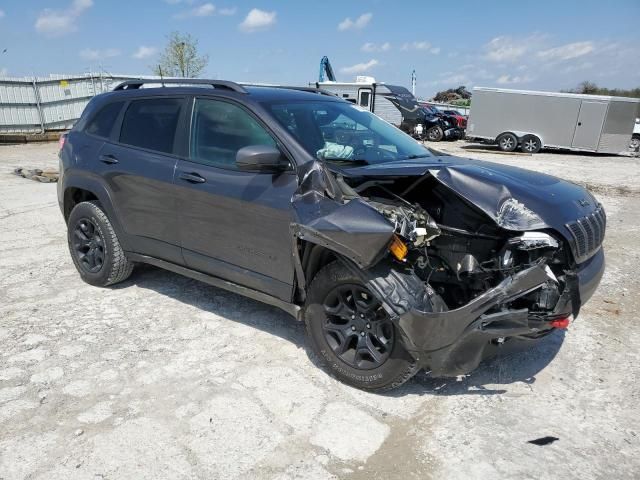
61	141
560	323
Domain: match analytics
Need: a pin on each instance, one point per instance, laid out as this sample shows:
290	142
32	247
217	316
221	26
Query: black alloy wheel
357	328
88	245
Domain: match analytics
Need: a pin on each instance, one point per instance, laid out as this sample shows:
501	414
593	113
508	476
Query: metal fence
39	104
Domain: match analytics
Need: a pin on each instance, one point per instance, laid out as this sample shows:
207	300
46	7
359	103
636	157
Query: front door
234	224
589	126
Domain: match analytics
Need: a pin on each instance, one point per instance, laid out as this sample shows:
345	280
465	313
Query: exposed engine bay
464	258
455	248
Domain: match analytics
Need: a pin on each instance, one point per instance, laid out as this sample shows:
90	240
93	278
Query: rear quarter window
151	123
102	122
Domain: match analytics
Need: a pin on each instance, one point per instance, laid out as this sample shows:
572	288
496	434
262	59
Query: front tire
351	333
435	133
634	144
94	246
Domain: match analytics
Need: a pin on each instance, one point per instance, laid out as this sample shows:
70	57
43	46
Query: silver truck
535	120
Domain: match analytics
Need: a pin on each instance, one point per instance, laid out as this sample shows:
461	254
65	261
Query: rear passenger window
102	122
220	129
151	123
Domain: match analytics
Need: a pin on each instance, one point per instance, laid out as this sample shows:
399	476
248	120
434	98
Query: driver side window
220	129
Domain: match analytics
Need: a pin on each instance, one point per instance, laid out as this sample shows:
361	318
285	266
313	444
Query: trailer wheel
435	133
507	142
531	144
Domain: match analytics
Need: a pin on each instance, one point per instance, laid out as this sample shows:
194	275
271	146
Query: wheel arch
78	189
521	134
313	257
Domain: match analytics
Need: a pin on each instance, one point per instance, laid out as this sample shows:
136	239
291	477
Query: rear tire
94	246
435	133
507	142
531	144
352	335
634	144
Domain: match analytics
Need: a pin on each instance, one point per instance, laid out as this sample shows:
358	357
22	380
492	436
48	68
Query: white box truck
536	120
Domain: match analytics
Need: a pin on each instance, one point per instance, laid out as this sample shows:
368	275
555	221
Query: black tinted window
220	129
151	123
102	122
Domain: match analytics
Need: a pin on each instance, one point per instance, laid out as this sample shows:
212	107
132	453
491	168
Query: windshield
341	132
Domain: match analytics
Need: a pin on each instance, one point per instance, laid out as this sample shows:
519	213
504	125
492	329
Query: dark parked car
395	258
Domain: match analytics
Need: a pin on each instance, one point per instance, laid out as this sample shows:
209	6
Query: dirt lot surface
164	377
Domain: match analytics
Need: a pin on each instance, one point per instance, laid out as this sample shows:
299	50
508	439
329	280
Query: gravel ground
165	377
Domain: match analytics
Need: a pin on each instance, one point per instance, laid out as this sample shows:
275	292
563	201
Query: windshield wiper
422	155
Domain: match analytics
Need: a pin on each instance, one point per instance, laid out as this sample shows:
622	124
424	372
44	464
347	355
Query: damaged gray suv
395	258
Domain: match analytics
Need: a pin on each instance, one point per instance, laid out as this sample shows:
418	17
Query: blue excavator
326	69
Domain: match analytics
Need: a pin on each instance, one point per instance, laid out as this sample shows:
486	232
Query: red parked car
461	119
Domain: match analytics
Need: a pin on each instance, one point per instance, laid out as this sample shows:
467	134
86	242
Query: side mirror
263	158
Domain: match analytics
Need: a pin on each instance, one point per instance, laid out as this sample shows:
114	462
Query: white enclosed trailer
536	120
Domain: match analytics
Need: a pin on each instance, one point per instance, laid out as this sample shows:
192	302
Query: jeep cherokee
396	258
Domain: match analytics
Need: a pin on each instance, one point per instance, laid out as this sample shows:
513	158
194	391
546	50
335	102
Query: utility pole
413	82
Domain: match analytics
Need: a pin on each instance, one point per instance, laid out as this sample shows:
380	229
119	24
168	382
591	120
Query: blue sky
535	45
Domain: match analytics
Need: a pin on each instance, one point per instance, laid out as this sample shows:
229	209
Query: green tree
593	89
180	57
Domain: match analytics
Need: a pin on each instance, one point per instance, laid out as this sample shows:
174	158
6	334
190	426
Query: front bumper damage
454	342
453	133
445	342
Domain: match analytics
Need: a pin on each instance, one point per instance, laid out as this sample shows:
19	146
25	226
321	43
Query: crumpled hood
515	198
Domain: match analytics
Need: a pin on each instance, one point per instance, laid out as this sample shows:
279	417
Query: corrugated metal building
38	104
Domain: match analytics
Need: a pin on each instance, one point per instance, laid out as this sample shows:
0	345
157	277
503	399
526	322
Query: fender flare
96	186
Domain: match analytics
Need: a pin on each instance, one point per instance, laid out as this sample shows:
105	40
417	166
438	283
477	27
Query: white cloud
567	52
95	54
204	10
416	46
357	24
360	67
372	47
2	14
451	79
421	46
228	11
505	49
54	23
512	79
578	68
3	72
144	52
257	20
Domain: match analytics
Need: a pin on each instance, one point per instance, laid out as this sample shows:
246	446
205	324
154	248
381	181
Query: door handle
108	159
192	178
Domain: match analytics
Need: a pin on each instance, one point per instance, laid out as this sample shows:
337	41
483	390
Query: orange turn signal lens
398	248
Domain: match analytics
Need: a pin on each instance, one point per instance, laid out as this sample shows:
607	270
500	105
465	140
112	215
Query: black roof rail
223	84
319	91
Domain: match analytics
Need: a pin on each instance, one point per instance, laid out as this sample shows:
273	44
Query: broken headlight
533	240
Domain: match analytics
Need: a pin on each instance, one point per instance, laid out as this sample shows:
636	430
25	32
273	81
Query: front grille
588	234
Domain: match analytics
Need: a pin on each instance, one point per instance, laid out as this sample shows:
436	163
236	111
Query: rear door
365	98
234	224
138	165
589	126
